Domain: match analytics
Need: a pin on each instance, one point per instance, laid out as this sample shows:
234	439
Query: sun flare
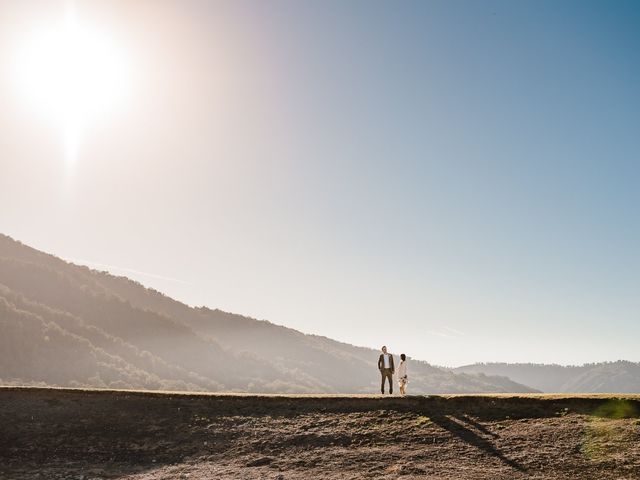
71	73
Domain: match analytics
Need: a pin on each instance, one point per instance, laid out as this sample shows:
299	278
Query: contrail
128	270
446	332
453	330
439	334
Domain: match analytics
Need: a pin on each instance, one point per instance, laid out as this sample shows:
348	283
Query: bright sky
458	180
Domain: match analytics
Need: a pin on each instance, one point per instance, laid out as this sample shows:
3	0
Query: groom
385	365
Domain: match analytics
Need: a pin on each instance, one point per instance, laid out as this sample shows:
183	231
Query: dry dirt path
77	434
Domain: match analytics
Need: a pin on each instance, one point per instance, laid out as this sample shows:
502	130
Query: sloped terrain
66	325
60	434
620	376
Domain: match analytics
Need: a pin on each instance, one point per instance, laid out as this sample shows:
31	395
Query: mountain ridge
69	325
620	376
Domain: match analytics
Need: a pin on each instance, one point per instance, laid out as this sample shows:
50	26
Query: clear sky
458	180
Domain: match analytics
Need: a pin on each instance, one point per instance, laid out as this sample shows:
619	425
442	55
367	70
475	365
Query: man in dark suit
385	365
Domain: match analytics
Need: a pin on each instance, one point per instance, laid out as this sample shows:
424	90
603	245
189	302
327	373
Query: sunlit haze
460	184
69	73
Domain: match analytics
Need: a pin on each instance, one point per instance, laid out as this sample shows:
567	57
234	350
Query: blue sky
457	180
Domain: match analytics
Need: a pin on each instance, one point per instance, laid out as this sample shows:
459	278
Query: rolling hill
606	377
67	325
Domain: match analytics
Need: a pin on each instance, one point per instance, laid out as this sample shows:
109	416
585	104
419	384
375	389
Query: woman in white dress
402	375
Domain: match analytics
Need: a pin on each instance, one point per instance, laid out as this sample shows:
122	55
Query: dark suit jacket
381	362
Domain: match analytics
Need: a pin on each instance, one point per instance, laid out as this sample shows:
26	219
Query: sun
71	73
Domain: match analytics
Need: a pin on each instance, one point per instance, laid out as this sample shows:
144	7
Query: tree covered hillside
606	377
67	325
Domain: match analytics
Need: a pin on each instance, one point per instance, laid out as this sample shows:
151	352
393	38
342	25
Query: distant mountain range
67	325
607	377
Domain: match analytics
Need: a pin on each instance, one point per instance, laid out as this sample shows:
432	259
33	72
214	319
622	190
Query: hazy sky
458	180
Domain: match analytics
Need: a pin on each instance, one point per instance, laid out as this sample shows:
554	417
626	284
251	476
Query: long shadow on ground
457	428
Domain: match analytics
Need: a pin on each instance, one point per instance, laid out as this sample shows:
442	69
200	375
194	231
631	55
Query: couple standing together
387	369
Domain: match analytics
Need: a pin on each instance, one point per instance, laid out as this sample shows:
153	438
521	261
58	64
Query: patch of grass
617	408
423	420
605	438
599	438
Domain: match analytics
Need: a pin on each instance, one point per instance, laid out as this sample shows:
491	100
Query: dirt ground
84	435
